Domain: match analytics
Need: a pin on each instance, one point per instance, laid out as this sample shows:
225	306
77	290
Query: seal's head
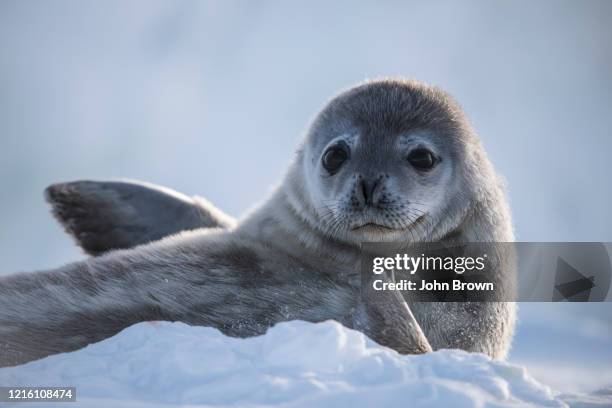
389	160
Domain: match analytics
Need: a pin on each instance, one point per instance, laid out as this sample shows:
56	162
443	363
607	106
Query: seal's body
393	161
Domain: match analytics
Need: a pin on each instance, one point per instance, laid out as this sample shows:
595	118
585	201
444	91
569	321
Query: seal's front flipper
387	319
103	216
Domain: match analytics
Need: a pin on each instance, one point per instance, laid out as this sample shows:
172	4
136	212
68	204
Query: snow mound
296	364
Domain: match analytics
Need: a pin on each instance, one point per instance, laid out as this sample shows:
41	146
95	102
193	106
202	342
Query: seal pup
388	160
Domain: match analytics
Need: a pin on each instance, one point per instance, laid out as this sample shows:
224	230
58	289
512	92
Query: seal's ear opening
105	215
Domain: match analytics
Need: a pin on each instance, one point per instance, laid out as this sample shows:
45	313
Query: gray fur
297	256
108	215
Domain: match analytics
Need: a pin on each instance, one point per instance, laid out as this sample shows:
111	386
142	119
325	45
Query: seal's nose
368	191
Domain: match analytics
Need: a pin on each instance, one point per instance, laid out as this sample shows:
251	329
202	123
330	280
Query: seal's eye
422	159
335	156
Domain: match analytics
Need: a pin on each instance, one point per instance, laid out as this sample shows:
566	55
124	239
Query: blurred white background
204	95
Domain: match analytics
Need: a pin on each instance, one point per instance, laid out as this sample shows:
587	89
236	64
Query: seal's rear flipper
103	215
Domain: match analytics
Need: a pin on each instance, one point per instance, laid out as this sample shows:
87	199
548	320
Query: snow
295	364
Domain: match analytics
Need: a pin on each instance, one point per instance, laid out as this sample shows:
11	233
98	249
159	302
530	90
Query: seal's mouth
373	227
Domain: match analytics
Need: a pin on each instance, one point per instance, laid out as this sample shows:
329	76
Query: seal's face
379	172
382	187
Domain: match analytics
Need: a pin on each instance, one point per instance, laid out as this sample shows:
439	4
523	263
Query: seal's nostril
367	191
